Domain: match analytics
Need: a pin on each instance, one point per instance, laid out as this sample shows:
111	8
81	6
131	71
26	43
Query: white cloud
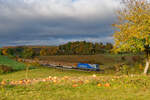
53	41
22	19
60	8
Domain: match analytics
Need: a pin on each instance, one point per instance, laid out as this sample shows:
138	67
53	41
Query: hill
4	60
55	84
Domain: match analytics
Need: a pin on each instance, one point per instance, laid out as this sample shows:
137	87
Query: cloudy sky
53	22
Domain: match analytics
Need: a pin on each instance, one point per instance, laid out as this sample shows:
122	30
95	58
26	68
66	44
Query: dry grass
98	59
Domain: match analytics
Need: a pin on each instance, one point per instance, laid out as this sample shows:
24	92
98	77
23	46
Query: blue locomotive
94	67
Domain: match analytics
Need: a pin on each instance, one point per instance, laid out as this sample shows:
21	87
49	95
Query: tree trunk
146	66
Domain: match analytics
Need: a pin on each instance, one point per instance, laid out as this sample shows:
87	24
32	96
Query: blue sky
53	22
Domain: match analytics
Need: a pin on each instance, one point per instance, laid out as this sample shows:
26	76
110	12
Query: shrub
123	58
5	69
125	69
118	67
121	68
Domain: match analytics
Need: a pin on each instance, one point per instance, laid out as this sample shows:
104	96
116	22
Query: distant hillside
70	48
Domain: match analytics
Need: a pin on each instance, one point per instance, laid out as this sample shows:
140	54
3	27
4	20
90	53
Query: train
79	66
64	65
94	67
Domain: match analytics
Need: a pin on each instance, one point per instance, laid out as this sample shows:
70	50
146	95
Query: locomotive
80	66
94	67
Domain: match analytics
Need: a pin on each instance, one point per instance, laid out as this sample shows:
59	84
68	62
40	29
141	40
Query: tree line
70	48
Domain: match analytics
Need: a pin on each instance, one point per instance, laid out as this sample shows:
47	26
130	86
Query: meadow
4	60
109	63
57	84
102	59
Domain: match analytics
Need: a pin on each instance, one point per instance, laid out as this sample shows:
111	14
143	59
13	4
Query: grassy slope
124	88
102	59
107	62
44	72
9	62
99	59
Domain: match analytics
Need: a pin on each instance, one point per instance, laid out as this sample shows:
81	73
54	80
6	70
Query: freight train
78	66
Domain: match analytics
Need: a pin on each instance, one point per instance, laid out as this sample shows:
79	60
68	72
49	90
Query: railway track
58	66
67	68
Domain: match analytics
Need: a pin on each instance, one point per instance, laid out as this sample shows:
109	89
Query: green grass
47	91
11	63
44	72
108	62
122	88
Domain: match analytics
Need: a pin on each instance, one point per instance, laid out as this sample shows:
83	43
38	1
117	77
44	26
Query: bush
122	68
125	69
5	69
123	58
137	59
118	67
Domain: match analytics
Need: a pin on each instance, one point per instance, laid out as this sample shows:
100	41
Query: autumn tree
5	52
52	51
133	28
43	52
83	48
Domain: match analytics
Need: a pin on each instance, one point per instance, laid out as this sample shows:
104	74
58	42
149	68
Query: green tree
0	51
11	52
28	53
133	28
18	51
99	48
108	47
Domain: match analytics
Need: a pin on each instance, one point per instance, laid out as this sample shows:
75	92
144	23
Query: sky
54	22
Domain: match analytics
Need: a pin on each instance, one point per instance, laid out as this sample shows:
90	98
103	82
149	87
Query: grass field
120	87
107	62
9	62
57	84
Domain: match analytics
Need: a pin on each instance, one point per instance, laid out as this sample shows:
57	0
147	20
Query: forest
70	48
